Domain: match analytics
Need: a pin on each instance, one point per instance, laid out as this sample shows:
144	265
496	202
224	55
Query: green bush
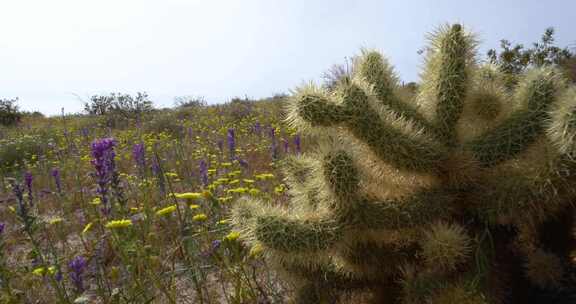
9	114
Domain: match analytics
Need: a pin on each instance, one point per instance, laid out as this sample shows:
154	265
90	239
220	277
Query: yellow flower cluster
116	224
167	210
200	217
188	195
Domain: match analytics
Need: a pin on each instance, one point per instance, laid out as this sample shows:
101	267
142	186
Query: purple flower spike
216	244
243	163
2	226
273	144
231	143
76	268
103	162
258	129
285	145
297	144
28	182
204	172
57	179
139	156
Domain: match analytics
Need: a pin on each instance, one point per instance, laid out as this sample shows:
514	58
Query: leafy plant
9	113
513	60
123	105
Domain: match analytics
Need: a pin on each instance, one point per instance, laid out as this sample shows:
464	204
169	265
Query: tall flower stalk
103	161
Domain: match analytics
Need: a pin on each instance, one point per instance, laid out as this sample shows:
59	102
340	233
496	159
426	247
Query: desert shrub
165	122
118	106
513	60
9	113
239	108
190	101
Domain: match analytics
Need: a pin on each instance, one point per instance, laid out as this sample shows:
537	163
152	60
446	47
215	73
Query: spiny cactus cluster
462	194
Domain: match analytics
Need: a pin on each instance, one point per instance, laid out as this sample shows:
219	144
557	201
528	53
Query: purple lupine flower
2	226
231	143
157	171
58	276
285	145
297	144
57	179
139	156
76	268
19	193
28	183
221	146
190	133
243	163
216	244
22	210
258	128
204	172
103	162
85	132
273	144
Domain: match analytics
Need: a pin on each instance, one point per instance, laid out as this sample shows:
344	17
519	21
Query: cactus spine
442	199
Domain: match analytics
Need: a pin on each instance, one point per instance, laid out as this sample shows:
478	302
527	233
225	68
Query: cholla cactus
461	195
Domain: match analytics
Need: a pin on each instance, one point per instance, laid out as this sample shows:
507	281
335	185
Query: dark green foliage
9	113
120	105
514	60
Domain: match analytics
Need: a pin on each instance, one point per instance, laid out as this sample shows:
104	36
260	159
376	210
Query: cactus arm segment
452	80
516	134
294	235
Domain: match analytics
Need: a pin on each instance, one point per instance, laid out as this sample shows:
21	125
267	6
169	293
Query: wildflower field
97	211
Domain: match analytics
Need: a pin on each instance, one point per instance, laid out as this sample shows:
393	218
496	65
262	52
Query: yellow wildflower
40	271
194	206
207	194
256	250
55	221
223	222
87	228
134	209
200	217
237	190
279	189
248	181
166	211
254	191
189	195
225	199
264	176
171	175
118	224
51	270
96	201
232	236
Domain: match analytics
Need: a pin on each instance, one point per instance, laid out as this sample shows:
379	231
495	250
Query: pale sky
53	52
